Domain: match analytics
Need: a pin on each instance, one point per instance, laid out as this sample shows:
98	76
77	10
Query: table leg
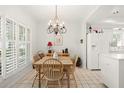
39	76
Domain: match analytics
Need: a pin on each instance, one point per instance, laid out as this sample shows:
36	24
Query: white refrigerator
93	50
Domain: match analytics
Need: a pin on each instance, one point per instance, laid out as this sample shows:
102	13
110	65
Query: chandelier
55	26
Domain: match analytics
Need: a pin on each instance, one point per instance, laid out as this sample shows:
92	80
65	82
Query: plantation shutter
11	52
28	45
15	47
22	46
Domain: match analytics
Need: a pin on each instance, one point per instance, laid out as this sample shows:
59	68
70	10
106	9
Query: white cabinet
112	68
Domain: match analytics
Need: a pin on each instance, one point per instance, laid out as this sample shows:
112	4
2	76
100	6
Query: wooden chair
37	74
35	59
53	70
71	70
41	55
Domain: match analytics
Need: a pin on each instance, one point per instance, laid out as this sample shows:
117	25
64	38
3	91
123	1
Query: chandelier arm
63	30
50	29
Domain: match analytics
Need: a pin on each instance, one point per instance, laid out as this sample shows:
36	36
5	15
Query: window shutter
10	47
22	47
15	47
28	45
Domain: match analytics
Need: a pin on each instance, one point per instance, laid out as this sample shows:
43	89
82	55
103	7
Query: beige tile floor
84	78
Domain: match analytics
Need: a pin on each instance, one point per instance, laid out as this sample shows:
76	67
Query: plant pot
49	51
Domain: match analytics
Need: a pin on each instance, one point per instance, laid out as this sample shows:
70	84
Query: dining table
66	61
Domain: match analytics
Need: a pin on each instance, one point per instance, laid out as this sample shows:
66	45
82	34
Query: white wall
17	13
71	39
75	31
83	46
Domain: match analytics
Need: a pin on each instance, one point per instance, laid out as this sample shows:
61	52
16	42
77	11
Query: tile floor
85	79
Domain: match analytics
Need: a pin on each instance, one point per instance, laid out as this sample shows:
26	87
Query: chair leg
74	79
63	75
46	85
62	79
34	79
59	83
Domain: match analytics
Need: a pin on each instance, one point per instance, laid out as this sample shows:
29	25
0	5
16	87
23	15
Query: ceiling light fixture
55	26
118	28
115	11
109	21
115	28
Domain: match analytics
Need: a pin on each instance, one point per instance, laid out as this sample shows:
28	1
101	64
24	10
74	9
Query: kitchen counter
114	56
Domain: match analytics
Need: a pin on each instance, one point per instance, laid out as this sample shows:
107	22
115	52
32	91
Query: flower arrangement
49	44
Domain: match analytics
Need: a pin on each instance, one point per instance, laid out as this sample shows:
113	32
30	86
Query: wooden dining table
66	61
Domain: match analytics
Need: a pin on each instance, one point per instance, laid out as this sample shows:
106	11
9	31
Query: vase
55	55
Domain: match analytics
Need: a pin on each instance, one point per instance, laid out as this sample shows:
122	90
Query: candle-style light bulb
49	22
63	23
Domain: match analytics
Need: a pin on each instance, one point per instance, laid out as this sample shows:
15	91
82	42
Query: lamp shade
49	44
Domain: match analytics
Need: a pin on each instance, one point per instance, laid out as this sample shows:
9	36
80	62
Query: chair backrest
41	55
51	68
75	61
36	57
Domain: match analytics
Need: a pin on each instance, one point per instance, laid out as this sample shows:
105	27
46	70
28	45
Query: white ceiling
105	18
97	15
72	12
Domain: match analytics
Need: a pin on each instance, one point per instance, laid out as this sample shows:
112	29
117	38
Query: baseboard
95	69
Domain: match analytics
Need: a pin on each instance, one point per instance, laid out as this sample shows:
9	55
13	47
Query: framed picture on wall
58	40
50	38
